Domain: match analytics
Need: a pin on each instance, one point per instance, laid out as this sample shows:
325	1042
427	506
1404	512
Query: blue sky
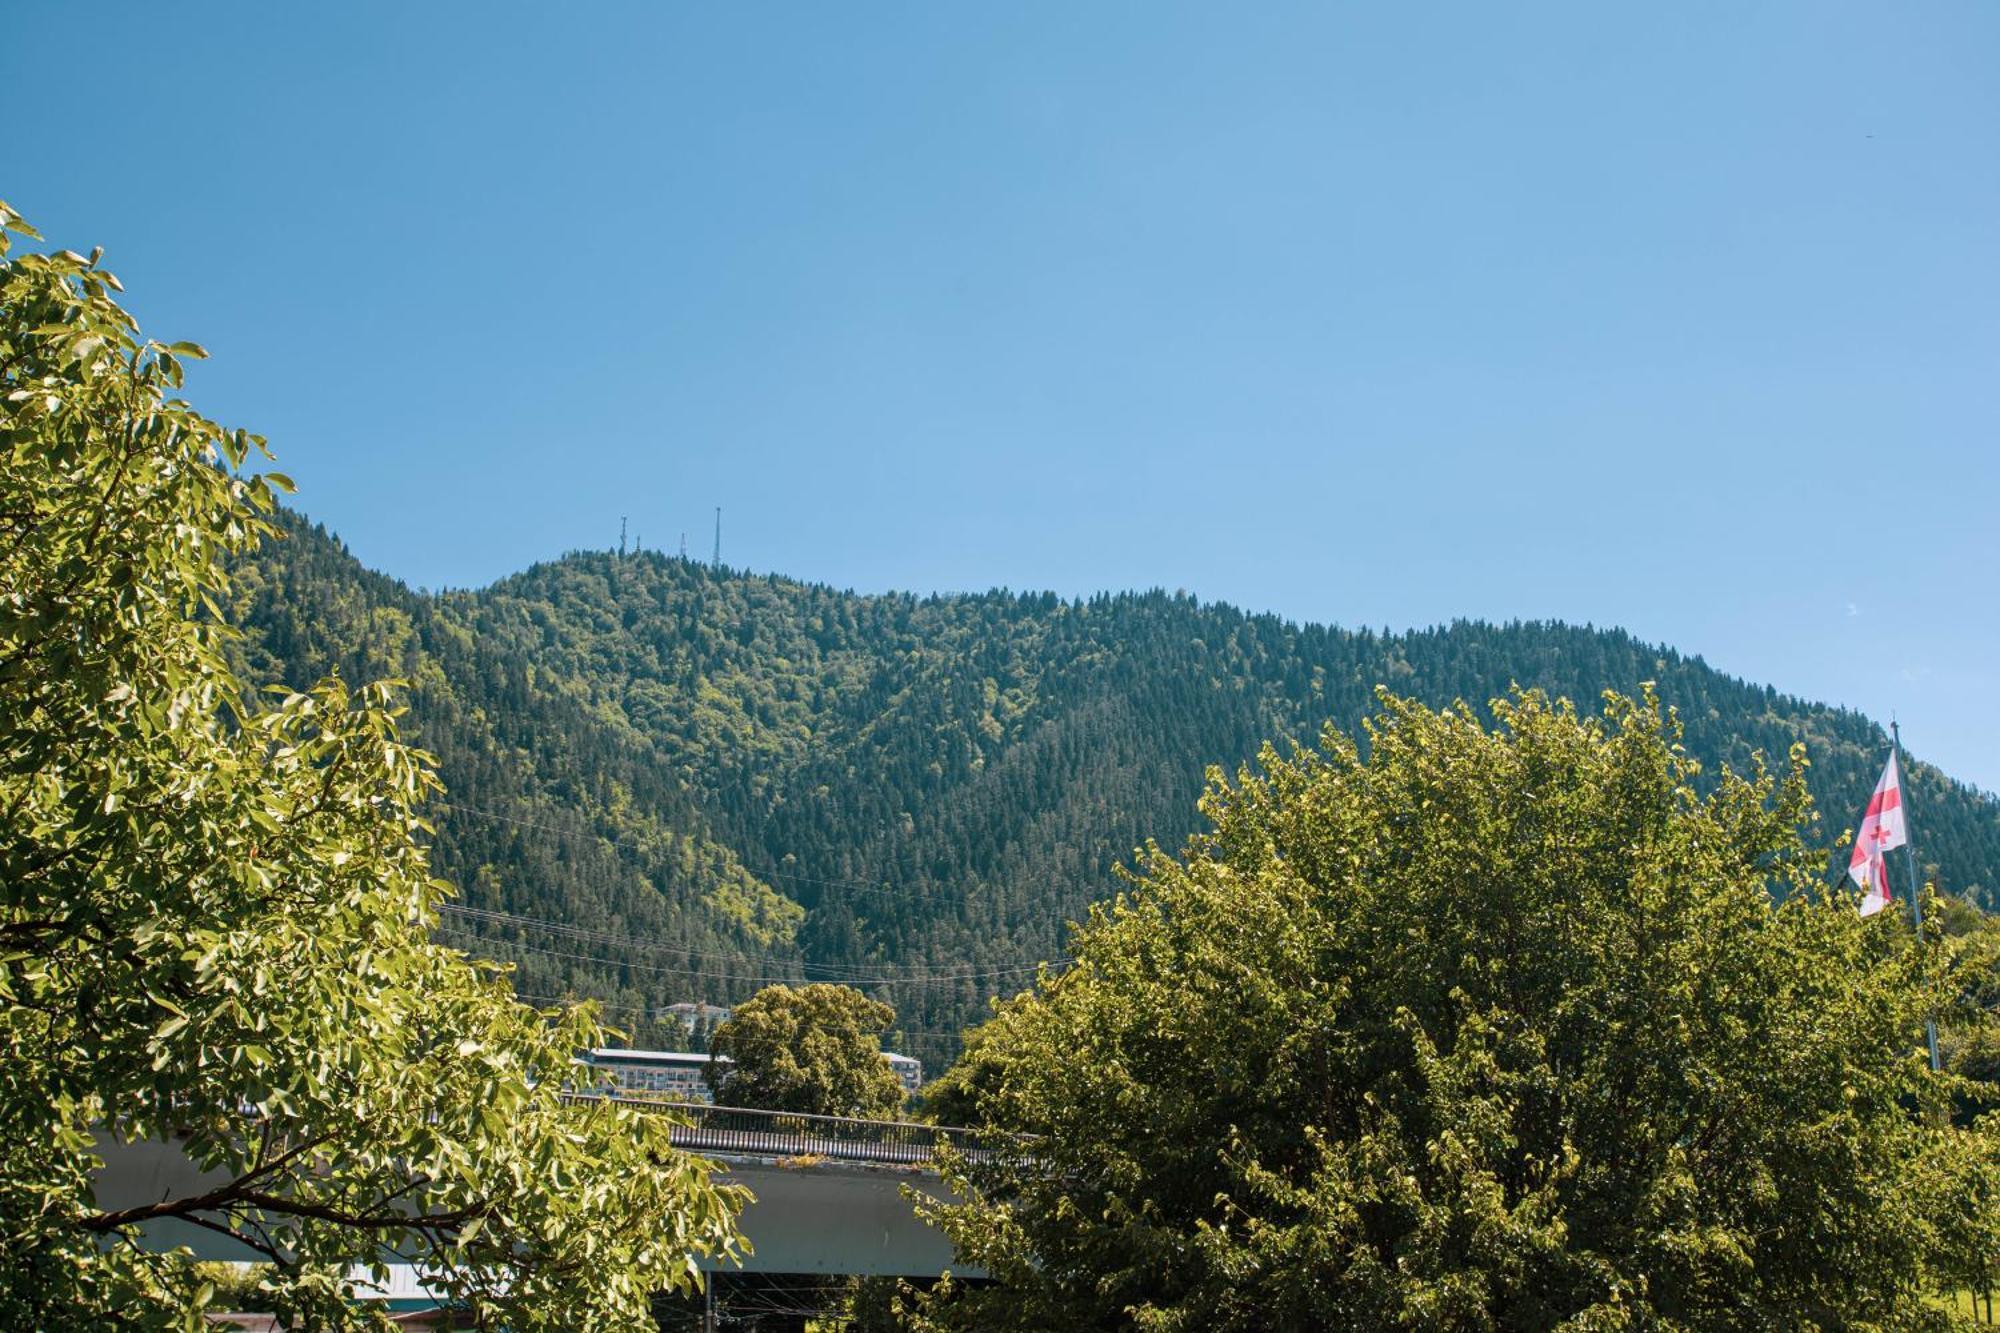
1681	318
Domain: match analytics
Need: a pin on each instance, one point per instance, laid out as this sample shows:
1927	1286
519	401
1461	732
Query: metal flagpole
1910	861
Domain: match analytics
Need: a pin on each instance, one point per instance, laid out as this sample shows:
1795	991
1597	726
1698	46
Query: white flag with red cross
1881	831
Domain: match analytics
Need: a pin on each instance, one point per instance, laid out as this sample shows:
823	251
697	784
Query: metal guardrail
742	1131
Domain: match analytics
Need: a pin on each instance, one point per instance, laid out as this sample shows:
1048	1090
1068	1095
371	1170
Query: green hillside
709	778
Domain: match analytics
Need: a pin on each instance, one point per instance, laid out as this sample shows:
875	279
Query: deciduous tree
1491	1026
215	914
815	1049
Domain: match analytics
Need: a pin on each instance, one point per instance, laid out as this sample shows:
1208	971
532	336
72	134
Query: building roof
629	1055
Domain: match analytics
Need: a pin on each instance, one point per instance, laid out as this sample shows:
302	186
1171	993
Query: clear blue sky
1676	317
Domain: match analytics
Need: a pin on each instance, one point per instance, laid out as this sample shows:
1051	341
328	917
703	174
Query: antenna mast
621	535
718	536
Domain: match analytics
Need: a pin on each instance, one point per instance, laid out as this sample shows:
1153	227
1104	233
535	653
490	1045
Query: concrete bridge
827	1191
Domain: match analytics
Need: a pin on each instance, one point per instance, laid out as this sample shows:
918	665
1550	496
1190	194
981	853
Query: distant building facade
676	1076
692	1016
909	1071
673	1076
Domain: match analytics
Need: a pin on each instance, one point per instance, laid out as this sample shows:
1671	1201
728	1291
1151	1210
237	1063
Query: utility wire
662	1011
606	937
918	979
627	964
631	942
840	973
863	885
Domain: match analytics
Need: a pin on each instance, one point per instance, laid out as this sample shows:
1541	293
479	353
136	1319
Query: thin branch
263	1247
214	1201
457	1217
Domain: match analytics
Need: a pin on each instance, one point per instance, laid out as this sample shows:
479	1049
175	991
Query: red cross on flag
1881	830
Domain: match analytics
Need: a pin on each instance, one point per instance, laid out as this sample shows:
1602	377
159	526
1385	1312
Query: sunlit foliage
1480	1026
215	914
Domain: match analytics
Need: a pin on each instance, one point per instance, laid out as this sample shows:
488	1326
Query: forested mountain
697	780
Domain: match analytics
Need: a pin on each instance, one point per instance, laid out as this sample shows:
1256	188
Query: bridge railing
743	1131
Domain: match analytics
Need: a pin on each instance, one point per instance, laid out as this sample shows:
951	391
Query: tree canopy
1489	1026
814	1049
216	914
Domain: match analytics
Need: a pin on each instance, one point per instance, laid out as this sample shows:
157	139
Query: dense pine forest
668	782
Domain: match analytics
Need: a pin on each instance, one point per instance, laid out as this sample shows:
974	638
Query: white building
909	1071
690	1015
676	1076
673	1076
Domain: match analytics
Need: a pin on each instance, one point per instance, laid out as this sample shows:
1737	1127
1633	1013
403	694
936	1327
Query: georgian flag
1881	831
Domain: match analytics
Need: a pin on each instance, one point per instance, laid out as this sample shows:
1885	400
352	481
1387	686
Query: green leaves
215	914
12	222
814	1049
1498	1026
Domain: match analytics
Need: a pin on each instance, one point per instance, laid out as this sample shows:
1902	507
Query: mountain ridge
807	781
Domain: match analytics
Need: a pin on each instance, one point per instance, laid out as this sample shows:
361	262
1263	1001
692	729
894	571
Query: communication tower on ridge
718	537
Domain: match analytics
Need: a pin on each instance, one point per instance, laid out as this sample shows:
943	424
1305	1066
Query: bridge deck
741	1131
829	1193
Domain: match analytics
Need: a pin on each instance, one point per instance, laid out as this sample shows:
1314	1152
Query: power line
900	895
627	964
862	885
665	1010
841	973
592	936
596	936
911	979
